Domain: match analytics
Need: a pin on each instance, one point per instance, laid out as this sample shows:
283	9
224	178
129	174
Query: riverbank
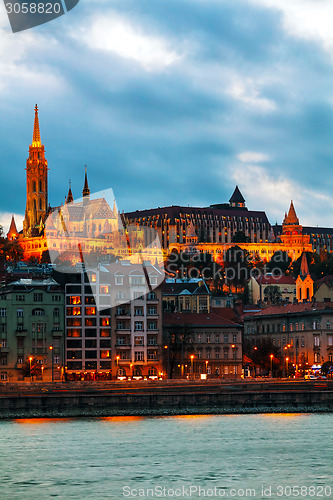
82	399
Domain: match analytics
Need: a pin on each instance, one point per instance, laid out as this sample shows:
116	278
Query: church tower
37	202
304	282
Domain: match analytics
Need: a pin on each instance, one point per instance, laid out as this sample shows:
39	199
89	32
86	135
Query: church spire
70	198
12	233
36	141
304	267
86	190
291	218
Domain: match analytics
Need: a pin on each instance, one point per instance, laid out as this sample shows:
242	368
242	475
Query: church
89	223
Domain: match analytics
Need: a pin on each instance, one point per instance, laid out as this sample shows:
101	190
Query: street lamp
206	367
167	349
117	361
287	359
30	359
192	358
234	357
271	356
42	373
51	349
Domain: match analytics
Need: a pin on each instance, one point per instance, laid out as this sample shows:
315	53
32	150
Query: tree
326	367
237	266
272	294
313	263
279	263
35	368
12	251
260	354
240	237
179	344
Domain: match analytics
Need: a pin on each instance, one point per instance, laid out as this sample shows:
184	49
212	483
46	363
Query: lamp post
207	368
233	347
167	349
30	359
271	356
192	358
117	361
287	359
51	349
42	373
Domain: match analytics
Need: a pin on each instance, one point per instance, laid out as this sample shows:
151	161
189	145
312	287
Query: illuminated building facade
292	241
124	340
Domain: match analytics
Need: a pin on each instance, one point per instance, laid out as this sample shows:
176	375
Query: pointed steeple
304	271
69	198
86	190
12	233
237	199
36	141
291	218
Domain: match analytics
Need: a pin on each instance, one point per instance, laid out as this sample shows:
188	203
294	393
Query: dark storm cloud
161	132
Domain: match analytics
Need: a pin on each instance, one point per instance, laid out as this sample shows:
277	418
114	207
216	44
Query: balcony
57	333
125	346
21	333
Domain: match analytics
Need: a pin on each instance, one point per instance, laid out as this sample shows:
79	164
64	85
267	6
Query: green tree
314	263
279	262
240	237
35	368
237	266
260	354
272	294
12	251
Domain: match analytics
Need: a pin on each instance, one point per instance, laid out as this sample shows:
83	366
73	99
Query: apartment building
32	326
113	323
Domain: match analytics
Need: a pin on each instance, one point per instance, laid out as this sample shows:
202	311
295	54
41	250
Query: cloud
275	193
247	92
116	34
252	157
307	19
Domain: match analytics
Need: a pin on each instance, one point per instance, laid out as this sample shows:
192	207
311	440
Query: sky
174	102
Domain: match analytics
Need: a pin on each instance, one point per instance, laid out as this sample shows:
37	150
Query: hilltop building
304	282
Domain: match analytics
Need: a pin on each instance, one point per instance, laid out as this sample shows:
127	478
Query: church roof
36	141
304	271
291	218
12	229
92	209
190	231
237	196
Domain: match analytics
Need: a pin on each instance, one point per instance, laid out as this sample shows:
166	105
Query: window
74	300
138	325
73	311
20	298
217	353
152	325
152	355
208	354
120	325
56	311
330	357
104	321
317	357
120	295
138	340
3	311
316	341
302	342
19	313
330	340
328	325
103	289
151	296
226	338
199	338
38	312
291	342
234	338
119	280
208	338
153	280
217	339
90	311
302	326
199	354
137	280
138	311
56	298
152	310
38	297
138	356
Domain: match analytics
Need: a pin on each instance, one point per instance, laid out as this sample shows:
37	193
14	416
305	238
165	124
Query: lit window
103	289
74	300
90	311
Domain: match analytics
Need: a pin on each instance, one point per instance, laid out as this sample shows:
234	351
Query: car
321	377
309	377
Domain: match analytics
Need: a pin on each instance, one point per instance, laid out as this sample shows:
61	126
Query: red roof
276	280
292	308
226	312
197	319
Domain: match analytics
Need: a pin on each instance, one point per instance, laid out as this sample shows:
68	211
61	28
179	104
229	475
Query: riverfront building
303	332
213	345
113	322
31	322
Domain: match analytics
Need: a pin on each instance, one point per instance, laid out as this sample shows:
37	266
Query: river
235	456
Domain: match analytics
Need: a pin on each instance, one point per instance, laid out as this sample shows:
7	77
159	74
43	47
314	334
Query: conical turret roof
237	196
304	271
291	218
